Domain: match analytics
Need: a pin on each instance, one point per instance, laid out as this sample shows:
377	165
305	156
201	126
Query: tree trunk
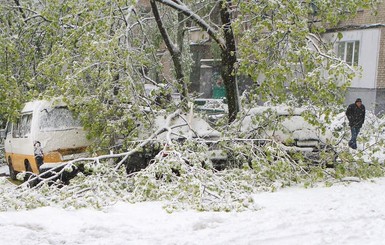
175	52
229	59
180	38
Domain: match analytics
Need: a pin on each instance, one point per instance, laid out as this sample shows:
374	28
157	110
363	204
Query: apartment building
363	47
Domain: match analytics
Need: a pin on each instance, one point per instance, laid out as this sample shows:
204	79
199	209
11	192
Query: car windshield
58	118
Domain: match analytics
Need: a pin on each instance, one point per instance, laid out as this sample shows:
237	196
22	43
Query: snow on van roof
37	104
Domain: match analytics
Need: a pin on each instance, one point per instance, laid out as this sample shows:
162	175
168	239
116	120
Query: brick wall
367	17
381	62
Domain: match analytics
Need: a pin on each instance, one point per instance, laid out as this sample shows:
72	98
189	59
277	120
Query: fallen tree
183	176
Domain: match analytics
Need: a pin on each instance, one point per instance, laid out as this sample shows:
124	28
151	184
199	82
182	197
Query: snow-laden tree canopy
98	56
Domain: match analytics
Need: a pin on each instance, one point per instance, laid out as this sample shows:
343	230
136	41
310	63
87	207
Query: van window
25	125
16	129
58	118
22	128
8	129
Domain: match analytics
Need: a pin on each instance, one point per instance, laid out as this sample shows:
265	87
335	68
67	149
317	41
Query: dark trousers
39	161
353	141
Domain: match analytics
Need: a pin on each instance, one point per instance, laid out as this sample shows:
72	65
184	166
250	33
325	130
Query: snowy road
353	214
4	170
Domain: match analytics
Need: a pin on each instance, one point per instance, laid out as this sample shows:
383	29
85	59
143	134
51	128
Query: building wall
381	61
371	87
368	54
366	17
367	95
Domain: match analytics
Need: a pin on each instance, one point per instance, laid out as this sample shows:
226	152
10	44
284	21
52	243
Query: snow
184	125
280	110
342	214
4	170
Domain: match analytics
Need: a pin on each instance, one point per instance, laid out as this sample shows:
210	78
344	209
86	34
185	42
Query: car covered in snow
284	124
164	131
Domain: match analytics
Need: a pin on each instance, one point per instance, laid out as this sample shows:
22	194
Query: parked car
263	124
286	125
183	127
49	128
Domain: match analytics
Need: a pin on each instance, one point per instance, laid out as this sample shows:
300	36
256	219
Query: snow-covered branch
57	171
197	19
311	38
36	14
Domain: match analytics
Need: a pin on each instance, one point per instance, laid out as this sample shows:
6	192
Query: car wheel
12	172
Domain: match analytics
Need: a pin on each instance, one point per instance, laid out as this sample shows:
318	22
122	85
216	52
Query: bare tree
175	50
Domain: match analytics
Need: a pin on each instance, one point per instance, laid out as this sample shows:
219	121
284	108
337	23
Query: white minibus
45	135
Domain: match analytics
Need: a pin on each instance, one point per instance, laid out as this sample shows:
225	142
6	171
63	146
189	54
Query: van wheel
27	166
28	169
12	172
29	174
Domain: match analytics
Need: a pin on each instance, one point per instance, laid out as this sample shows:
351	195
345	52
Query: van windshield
58	118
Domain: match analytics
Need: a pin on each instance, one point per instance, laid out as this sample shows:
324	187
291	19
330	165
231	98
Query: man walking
356	117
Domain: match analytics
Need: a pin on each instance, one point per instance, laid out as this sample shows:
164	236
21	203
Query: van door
22	144
8	140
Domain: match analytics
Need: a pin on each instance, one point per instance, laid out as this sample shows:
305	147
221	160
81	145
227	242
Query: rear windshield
58	118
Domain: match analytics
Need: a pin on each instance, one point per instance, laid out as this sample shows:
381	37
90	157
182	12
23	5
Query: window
58	118
8	129
22	128
25	125
349	52
16	129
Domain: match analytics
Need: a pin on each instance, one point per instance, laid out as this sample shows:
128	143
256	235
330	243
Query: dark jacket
356	115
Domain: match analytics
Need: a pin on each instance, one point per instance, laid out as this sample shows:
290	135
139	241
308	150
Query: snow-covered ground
341	214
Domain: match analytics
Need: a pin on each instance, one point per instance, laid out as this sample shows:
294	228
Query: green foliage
281	49
183	177
90	54
98	188
179	180
94	55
